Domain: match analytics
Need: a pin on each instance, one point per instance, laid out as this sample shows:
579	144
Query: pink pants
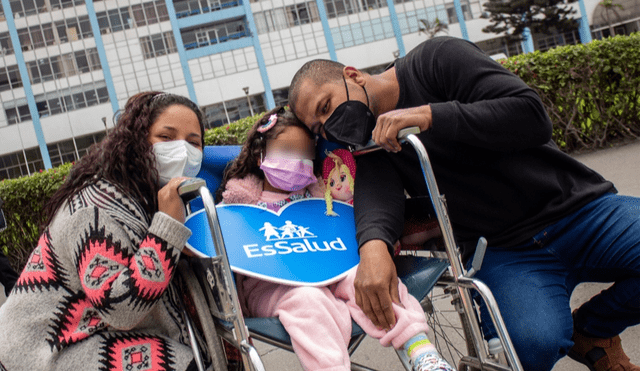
318	319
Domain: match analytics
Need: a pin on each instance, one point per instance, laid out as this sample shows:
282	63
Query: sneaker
432	362
600	354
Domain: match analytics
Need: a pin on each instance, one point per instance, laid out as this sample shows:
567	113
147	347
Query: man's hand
376	284
389	124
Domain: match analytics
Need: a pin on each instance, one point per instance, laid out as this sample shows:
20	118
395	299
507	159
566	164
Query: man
551	222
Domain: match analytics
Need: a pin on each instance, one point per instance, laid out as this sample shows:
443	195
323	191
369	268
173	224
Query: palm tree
432	28
608	6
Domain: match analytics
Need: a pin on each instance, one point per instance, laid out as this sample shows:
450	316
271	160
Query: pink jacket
248	189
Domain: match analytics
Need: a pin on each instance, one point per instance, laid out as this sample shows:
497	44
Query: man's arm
485	105
379	212
470	99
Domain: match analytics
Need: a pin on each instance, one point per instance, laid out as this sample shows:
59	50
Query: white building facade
68	66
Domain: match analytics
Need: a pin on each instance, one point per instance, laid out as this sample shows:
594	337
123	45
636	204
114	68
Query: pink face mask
288	174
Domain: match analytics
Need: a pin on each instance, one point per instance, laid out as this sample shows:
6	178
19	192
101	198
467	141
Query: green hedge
24	199
231	134
590	92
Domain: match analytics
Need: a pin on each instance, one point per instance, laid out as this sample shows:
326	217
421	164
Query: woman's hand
385	134
169	202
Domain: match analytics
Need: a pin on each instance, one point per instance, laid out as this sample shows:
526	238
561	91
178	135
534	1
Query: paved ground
620	165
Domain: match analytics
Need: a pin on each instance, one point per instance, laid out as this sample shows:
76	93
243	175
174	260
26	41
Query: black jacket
490	147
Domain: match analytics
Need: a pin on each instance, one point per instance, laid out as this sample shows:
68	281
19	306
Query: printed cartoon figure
269	231
303	231
338	172
288	229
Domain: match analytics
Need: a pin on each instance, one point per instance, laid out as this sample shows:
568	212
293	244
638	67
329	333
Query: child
275	166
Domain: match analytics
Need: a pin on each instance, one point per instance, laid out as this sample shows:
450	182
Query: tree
610	6
511	17
432	28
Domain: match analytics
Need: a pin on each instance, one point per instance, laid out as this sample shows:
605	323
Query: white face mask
176	158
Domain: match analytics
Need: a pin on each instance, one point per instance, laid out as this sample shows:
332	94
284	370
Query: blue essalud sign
299	245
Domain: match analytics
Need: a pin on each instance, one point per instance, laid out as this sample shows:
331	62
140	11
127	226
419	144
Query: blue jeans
533	282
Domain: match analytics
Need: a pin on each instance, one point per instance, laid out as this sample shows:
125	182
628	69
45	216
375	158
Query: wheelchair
436	278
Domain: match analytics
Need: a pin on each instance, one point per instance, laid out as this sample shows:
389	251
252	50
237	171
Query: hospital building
68	66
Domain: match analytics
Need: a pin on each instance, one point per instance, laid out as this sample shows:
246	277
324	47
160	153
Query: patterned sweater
97	291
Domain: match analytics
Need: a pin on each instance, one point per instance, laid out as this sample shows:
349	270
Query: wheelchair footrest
419	274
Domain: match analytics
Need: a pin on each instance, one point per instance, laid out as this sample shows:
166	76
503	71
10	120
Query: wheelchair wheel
450	330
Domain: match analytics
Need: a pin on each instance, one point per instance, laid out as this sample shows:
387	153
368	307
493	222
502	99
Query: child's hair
335	162
247	161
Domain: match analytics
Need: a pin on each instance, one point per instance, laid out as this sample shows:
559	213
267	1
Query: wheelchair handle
189	189
372	146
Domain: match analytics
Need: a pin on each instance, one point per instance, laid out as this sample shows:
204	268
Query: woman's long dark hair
124	157
247	161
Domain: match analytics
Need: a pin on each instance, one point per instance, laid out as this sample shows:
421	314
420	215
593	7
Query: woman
97	292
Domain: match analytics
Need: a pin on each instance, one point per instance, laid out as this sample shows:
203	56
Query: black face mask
352	122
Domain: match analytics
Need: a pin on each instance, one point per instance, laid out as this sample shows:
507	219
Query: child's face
293	143
339	185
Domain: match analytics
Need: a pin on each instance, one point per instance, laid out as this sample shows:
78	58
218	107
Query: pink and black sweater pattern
97	292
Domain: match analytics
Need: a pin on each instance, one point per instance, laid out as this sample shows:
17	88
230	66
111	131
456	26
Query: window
70	64
150	13
138	15
214	33
56	102
6	47
271	20
85	27
17	111
337	8
46	72
453	17
12	116
16	8
9	78
54	106
34	72
94	59
158	44
43	109
103	95
25	39
57	68
116	20
73	29
23	113
91	98
234	109
58	4
82	62
29	7
79	100
13	165
302	13
23	8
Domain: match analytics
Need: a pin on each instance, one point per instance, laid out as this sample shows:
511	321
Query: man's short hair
319	71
